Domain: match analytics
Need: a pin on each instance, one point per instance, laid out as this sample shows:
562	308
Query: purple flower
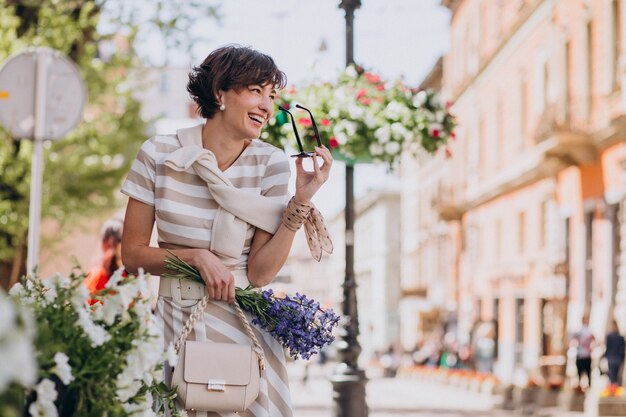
297	322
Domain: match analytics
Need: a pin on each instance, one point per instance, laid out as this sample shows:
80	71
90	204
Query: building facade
532	199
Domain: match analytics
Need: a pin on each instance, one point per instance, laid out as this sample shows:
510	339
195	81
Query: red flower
333	143
380	87
287	105
452	135
435	133
325	122
449	104
362	92
366	101
292	89
371	78
306	122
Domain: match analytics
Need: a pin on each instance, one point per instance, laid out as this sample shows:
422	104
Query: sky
394	38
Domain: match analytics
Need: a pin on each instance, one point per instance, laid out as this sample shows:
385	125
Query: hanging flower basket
362	118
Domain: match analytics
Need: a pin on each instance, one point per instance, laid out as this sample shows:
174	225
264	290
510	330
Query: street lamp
348	380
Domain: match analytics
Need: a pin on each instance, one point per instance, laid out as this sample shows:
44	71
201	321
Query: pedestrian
584	339
614	354
111	258
200	185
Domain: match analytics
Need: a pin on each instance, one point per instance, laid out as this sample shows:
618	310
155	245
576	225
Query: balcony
560	140
447	204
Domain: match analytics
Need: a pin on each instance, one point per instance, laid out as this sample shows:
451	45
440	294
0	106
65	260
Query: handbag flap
206	361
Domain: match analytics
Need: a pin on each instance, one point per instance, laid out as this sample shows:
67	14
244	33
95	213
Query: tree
83	171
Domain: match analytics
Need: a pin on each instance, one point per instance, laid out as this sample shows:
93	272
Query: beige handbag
223	377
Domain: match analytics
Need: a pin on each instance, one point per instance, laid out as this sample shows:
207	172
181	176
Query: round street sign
64	94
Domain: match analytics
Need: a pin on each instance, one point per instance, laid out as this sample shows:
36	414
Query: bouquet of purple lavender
298	323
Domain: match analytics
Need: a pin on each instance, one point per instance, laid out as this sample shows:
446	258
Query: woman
614	353
188	184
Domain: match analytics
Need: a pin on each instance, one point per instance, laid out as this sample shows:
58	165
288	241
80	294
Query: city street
401	396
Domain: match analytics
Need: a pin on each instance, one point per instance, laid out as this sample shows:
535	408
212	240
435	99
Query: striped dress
184	212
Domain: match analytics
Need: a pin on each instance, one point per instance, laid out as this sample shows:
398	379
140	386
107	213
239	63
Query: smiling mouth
259	119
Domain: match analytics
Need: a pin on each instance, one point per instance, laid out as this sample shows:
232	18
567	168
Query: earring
222	107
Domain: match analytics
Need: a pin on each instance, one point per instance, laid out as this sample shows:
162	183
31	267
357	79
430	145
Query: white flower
351	71
44	405
420	99
97	334
350	128
398	129
393	110
50	294
7	312
383	134
116	278
392	147
17	290
171	355
342	138
370	120
79	299
57	280
17	330
355	112
128	389
62	368
376	149
111	308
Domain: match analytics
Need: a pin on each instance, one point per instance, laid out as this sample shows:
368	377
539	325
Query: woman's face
248	109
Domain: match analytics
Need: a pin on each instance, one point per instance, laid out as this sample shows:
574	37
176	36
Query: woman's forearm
268	255
152	260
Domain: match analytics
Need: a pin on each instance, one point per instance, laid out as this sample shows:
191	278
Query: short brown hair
230	67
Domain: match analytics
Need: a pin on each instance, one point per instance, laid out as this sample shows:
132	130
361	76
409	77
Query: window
589	69
498	239
588	257
523	109
519	330
615	42
521	233
543	224
567	79
546	85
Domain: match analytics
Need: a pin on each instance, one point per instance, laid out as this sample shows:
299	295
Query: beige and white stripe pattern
184	212
184	207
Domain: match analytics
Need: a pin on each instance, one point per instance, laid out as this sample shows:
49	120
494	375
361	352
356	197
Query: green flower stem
248	298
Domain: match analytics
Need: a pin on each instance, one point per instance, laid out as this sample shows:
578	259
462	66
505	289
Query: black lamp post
348	380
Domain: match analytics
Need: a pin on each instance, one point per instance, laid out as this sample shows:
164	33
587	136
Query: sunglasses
302	153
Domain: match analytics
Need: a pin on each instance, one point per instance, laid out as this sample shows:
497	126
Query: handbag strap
188	327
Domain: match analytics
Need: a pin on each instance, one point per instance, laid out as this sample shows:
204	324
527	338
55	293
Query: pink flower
371	78
306	122
362	92
325	122
333	143
366	101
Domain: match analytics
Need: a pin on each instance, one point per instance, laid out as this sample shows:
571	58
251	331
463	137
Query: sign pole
37	166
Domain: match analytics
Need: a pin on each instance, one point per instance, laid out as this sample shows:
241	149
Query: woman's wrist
295	214
301	201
